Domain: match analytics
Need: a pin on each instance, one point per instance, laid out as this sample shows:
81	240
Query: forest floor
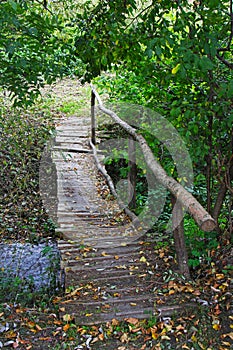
31	320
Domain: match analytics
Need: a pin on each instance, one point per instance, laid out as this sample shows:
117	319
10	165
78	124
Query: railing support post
132	175
93	119
179	238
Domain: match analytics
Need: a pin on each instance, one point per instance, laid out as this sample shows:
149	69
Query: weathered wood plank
100	256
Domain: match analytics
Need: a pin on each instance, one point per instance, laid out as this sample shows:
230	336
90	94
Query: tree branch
139	14
228	47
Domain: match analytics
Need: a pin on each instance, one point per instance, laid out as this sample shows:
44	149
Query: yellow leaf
176	68
143	259
216	327
75	291
171	292
133	304
154	333
121	267
168	327
88	315
104	254
11	334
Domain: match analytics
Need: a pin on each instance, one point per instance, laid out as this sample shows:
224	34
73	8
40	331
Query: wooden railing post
179	238
132	175
93	119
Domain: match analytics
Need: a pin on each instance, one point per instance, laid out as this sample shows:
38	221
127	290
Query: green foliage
199	243
23	136
35	48
19	290
179	63
14	289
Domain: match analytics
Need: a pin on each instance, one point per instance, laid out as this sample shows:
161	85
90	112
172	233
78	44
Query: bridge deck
110	273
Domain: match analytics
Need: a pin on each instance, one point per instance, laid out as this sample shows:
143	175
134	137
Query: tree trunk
222	194
209	165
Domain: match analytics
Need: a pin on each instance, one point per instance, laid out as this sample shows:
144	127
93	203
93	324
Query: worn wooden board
109	271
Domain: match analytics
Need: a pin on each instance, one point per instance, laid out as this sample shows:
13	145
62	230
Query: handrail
200	215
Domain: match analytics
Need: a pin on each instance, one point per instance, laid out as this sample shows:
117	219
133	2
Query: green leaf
13	4
206	64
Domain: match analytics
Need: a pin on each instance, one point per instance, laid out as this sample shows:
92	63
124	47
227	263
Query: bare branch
226	62
228	47
139	14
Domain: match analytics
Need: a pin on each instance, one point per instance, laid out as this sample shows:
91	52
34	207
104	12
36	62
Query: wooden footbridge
110	271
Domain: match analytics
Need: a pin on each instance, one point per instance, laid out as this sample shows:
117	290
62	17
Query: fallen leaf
121	267
132	320
216	327
230	335
45	338
101	337
165	337
10	334
143	259
124	338
201	346
154	333
31	324
67	318
104	254
66	327
115	322
225	343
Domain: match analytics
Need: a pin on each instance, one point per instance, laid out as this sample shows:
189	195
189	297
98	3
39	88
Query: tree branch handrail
200	215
